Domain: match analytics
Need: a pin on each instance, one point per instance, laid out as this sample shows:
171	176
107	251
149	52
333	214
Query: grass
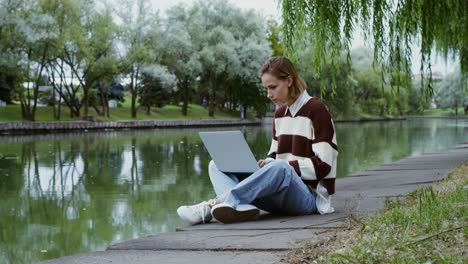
12	113
430	226
442	112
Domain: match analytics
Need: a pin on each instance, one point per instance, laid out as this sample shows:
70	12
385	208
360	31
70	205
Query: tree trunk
212	97
85	100
26	103
26	108
185	95
59	107
26	113
31	109
134	96
134	91
105	103
107	112
97	110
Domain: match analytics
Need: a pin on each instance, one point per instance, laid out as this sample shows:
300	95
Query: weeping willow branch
390	26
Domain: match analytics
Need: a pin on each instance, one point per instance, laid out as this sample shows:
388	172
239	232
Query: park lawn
361	115
442	112
12	113
430	226
437	112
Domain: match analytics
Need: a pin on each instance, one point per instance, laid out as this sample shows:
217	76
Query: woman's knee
212	169
212	166
280	164
280	169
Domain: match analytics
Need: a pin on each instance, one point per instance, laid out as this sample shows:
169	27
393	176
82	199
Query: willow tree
392	27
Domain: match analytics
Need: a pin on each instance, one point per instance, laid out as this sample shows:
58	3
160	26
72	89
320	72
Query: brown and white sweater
304	135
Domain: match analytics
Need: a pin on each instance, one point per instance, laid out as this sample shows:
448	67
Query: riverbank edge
42	126
45	126
377	119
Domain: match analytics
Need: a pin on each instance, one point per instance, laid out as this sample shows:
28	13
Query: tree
392	26
275	37
226	30
339	101
8	81
102	75
27	36
219	62
252	53
182	55
11	73
106	92
156	84
65	84
139	35
450	95
372	95
89	54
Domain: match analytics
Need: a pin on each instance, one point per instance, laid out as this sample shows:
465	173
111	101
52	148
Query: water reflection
68	193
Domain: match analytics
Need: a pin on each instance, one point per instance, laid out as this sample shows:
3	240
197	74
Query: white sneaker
323	200
196	214
226	214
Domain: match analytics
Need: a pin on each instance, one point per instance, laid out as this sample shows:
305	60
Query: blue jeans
275	188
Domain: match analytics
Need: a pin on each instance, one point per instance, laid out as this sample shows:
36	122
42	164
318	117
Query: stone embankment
86	125
45	126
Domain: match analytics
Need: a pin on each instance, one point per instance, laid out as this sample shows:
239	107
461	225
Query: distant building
31	85
112	103
432	104
2	103
44	88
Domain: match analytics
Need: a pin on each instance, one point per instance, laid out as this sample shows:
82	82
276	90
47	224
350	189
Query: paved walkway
265	240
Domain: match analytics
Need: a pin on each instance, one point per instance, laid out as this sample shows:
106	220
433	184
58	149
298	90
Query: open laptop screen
229	151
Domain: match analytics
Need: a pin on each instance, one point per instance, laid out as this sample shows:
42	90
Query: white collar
300	101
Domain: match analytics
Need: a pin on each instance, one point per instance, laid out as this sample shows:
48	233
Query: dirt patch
333	241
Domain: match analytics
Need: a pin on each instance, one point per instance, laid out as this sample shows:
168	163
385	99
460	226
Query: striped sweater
307	140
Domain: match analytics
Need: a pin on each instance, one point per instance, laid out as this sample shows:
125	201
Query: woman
297	177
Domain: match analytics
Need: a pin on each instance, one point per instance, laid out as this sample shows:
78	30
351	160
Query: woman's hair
281	67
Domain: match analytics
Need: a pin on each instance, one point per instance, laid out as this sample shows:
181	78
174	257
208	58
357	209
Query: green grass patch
442	112
361	115
12	113
430	226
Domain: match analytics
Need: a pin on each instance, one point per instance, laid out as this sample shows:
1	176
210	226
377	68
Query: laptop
229	151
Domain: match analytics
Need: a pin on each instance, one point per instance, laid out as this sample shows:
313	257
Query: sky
270	8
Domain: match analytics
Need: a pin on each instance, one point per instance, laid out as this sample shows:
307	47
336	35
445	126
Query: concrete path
267	240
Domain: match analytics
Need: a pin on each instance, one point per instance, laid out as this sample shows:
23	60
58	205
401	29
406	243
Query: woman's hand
264	162
261	163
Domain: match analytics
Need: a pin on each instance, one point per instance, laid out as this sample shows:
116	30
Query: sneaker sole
227	215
